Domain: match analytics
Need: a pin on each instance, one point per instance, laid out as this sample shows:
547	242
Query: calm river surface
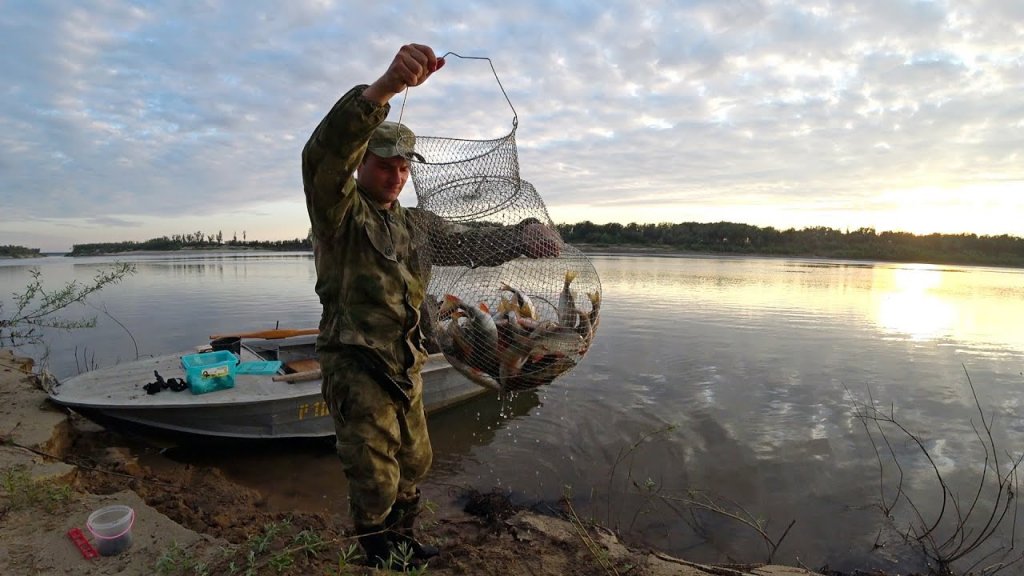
740	375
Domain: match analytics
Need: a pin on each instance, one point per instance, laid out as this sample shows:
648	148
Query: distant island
689	237
11	251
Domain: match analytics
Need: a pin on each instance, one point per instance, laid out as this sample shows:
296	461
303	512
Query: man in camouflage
371	284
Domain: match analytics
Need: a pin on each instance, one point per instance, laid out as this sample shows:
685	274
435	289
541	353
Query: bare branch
967	529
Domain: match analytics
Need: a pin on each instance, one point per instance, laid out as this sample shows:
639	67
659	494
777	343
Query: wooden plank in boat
303	365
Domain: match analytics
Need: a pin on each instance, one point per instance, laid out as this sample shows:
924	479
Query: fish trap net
510	305
518	325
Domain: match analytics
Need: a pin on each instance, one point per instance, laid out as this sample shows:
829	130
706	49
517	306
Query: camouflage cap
394	139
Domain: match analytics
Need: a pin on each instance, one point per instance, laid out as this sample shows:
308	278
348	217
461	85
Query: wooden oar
270	334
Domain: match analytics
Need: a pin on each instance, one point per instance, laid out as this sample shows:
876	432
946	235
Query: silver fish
551	338
539	372
476	374
524	306
477	339
595	309
513	346
586	331
567	313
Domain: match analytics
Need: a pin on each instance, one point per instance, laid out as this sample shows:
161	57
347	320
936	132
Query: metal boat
257	406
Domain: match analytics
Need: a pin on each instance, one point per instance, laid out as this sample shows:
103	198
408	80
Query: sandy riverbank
58	467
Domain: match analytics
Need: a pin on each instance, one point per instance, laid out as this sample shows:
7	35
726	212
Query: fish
457	341
513	347
551	338
540	372
476	374
523	305
507	311
567	313
477	339
505	306
586	331
523	345
479	315
595	308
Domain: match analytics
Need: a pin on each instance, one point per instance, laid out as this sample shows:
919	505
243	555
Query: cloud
108	221
113	110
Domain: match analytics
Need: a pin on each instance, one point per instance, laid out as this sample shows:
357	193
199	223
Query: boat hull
256	407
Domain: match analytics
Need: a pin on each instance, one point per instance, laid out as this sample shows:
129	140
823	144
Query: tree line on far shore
860	244
715	237
191	241
12	251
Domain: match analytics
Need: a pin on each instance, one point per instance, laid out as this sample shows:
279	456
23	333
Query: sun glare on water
909	303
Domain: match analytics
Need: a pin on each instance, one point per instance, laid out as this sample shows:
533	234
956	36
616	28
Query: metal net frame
507	321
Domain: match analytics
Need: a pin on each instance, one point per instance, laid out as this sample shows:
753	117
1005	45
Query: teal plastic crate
210	371
259	367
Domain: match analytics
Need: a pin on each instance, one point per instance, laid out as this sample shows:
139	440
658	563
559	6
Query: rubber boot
375	544
401	522
379	551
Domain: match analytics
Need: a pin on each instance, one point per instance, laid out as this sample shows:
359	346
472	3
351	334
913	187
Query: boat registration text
316	409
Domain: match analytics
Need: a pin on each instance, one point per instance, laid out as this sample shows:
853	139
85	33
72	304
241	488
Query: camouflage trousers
382	441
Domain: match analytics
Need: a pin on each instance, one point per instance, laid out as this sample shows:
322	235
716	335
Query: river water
715	385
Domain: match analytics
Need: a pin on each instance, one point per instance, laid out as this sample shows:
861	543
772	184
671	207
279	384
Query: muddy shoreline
58	467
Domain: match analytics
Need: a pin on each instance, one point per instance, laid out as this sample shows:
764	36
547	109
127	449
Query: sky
133	120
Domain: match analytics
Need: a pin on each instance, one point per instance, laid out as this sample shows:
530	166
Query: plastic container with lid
111	528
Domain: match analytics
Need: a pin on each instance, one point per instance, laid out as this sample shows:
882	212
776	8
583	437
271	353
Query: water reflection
977	306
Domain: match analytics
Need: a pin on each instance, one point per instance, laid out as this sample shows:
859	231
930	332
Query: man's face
383	178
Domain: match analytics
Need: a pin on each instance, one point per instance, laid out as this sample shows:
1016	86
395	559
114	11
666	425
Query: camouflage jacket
372	265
